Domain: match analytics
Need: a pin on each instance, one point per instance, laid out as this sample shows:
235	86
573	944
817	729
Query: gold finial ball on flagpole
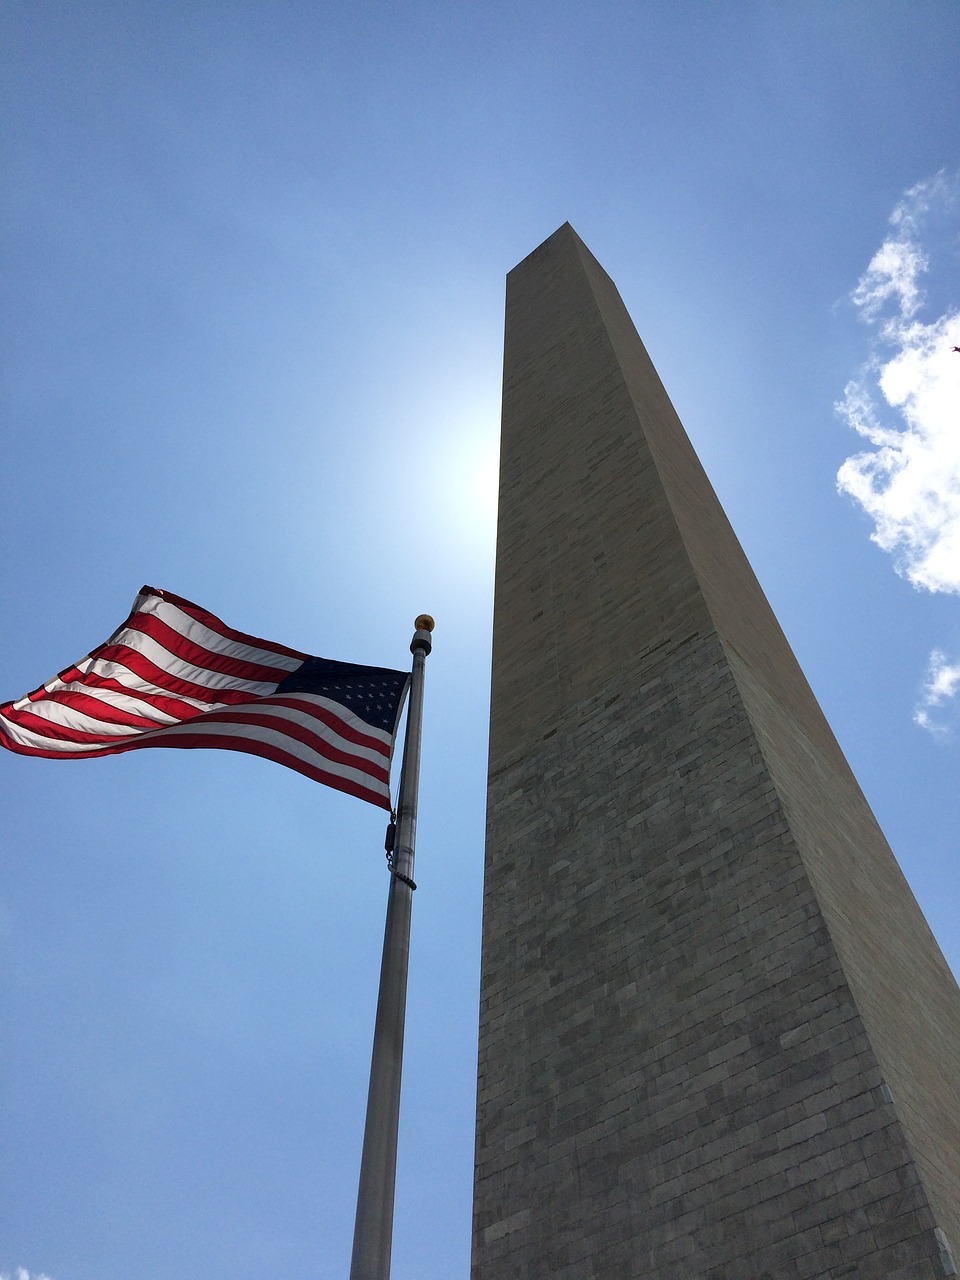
424	623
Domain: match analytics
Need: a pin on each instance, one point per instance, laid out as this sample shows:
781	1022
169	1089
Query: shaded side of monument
717	1038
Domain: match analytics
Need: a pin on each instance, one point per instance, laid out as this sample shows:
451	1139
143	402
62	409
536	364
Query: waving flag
173	675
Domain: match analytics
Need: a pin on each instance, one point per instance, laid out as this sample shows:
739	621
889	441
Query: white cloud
22	1273
892	274
936	710
906	400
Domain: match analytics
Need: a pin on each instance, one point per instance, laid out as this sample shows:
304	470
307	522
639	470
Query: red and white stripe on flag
173	675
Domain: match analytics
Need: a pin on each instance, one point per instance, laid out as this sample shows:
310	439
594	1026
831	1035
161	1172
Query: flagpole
373	1231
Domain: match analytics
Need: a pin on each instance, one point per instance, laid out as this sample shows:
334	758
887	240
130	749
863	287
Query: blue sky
252	326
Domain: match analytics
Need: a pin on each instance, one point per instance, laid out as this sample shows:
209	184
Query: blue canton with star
372	693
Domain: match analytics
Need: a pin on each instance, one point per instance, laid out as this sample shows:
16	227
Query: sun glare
466	480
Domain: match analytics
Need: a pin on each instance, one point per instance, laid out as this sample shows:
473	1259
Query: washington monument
717	1039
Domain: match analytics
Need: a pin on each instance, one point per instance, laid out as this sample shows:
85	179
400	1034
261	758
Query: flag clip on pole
373	1232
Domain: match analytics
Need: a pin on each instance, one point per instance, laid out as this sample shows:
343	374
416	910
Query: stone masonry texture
717	1038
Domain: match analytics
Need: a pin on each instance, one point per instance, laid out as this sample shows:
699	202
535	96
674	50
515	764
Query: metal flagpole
373	1232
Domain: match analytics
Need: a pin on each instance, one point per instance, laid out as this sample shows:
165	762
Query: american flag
173	675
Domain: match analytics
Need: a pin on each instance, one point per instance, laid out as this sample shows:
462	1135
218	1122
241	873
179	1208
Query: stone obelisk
717	1038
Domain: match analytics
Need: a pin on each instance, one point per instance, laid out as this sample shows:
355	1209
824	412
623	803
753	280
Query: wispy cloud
22	1273
936	710
906	403
906	399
